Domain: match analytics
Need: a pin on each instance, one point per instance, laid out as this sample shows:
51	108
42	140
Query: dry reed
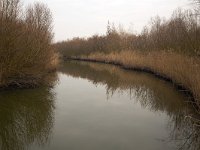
182	70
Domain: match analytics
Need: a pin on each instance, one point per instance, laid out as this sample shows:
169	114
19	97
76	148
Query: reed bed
182	70
168	48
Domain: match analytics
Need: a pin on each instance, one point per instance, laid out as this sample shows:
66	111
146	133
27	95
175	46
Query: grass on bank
168	47
183	70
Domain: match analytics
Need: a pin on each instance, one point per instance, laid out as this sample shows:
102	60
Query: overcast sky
83	18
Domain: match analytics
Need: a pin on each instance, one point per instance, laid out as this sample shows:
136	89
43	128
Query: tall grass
183	70
167	47
26	54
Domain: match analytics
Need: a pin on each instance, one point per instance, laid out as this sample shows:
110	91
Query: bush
26	53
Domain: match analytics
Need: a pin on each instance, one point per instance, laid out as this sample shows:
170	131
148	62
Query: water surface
97	107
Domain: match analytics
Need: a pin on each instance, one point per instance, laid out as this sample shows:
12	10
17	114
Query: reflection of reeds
162	96
26	118
185	134
151	93
182	70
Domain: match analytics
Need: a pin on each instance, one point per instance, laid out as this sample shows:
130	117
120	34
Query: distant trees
180	33
25	41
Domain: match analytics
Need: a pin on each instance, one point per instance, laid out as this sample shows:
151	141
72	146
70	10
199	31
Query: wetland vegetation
168	48
112	104
125	109
26	53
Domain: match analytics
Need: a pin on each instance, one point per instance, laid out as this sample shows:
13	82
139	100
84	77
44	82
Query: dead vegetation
26	53
179	34
167	47
183	70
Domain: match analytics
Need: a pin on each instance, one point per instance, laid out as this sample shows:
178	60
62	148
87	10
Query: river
95	106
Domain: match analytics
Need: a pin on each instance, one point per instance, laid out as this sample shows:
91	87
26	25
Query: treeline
26	53
180	33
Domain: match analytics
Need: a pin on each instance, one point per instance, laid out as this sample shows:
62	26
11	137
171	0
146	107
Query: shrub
26	53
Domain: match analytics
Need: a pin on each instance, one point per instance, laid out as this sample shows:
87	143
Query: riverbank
28	82
183	71
20	77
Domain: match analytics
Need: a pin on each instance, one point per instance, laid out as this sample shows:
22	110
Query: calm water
97	107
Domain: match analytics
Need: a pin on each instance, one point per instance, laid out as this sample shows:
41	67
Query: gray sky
84	18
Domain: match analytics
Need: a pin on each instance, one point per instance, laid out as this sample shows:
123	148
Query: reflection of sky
86	17
86	120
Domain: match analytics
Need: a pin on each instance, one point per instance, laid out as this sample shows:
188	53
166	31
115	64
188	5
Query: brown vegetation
149	92
180	34
168	48
26	54
183	70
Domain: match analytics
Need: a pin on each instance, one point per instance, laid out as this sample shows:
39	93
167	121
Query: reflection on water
95	107
26	117
151	93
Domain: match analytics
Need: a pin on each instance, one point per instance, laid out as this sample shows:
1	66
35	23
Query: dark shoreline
30	82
